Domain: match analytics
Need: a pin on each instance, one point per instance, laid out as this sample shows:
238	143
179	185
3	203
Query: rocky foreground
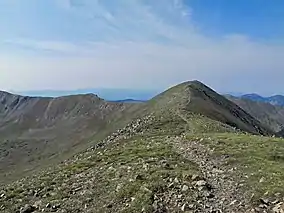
149	166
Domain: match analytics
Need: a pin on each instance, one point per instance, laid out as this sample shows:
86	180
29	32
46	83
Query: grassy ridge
127	177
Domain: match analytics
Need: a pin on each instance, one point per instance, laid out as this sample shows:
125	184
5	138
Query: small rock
261	180
57	206
184	207
109	206
53	194
46	195
191	206
27	209
139	177
217	171
200	188
184	188
262	206
201	183
195	177
264	201
210	195
156	197
257	210
164	164
233	202
119	186
146	189
37	204
47	205
155	205
176	180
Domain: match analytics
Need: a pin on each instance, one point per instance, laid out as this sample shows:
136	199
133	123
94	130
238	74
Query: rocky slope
37	131
186	150
269	115
156	164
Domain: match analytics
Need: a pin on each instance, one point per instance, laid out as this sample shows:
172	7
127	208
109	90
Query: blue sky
233	45
259	19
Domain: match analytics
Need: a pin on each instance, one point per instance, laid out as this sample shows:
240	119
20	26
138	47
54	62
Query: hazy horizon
69	44
117	93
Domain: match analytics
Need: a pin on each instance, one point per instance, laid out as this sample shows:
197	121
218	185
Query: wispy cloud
138	43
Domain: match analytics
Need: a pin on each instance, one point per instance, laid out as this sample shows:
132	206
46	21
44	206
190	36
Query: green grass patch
142	168
125	177
197	124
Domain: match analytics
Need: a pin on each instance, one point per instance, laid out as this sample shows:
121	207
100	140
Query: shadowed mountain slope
277	100
196	97
269	115
35	131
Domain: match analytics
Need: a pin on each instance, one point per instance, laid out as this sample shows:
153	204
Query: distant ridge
274	100
129	101
268	114
105	93
33	129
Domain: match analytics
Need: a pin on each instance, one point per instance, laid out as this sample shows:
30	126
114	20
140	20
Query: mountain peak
193	83
196	97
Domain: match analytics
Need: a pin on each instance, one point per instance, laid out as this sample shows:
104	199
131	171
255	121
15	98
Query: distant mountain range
270	115
110	94
139	95
129	101
277	100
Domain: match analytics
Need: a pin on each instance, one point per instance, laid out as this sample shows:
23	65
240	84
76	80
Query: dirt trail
226	193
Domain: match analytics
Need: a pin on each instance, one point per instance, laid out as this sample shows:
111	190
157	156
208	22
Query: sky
232	46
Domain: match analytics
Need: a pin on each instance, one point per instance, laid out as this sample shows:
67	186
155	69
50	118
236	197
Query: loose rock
184	188
27	209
